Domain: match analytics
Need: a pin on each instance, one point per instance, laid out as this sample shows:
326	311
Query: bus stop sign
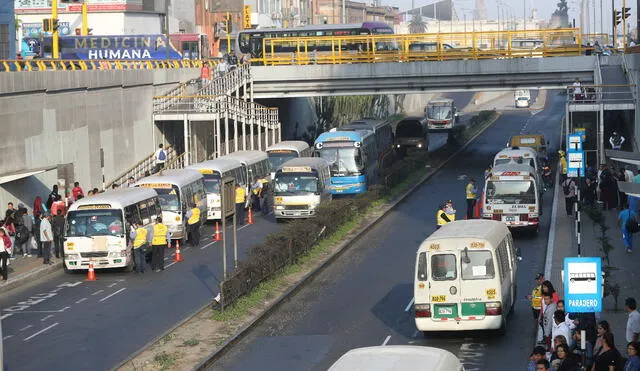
583	285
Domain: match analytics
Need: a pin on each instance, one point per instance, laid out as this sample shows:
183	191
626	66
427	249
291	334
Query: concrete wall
633	62
59	117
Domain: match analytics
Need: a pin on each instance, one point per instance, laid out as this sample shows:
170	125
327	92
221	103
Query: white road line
97	292
409	305
46	318
207	245
113	284
56	289
117	292
168	265
26	328
41	331
7	337
386	340
5	316
81	300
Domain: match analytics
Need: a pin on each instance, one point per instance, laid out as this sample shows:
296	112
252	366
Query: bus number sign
296	169
434	246
477	245
439	298
206	171
156	185
93	207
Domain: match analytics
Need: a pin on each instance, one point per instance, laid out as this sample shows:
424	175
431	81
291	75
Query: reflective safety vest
141	237
441	218
195	216
536	297
159	234
471	192
563	164
240	195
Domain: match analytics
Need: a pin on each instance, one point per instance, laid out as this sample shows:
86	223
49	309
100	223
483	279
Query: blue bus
353	159
383	134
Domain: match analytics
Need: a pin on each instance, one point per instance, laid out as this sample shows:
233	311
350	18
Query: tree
563	9
417	25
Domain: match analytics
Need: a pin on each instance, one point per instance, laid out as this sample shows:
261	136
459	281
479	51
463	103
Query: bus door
255	44
444	283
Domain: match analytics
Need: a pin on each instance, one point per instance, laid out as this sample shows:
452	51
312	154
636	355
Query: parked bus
352	157
511	195
97	227
213	171
300	185
441	114
534	141
398	357
177	190
523	156
286	150
383	134
412	132
465	277
256	167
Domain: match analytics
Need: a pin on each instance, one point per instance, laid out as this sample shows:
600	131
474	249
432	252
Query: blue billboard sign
583	285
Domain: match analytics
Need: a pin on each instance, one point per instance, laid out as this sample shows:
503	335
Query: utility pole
85	25
624	25
54	38
601	14
613	23
344	11
524	15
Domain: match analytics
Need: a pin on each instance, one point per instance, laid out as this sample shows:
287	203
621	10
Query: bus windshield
511	192
343	161
169	198
439	112
211	183
91	223
409	129
295	183
279	157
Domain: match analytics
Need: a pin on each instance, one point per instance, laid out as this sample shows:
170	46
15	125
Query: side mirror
518	255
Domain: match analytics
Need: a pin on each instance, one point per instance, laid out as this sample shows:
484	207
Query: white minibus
300	185
398	358
177	190
522	156
465	277
97	227
286	150
213	171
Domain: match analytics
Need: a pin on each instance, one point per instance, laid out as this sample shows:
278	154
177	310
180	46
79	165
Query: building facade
337	12
7	31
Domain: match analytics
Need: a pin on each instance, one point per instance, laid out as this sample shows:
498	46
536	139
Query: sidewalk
626	273
24	271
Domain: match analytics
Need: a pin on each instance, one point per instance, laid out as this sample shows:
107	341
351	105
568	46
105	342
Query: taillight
422	310
493	308
534	220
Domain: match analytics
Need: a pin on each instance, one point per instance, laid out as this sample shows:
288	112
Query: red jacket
7	243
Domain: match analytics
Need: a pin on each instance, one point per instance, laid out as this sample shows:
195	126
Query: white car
523	102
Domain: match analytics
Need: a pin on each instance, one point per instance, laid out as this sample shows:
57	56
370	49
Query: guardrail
227	83
597	94
139	169
84	65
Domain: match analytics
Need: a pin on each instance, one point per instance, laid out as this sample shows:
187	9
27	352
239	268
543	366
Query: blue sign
583	285
575	155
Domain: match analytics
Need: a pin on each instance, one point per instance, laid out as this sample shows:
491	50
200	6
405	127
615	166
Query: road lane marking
168	265
97	292
5	316
56	289
386	340
81	300
115	293
113	284
207	245
7	337
26	328
409	305
46	318
41	331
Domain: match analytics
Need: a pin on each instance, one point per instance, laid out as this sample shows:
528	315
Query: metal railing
138	170
227	83
84	65
601	94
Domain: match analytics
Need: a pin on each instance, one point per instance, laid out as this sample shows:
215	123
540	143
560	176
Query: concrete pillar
273	134
235	132
279	132
601	158
251	123
187	139
217	135
226	132
259	127
244	126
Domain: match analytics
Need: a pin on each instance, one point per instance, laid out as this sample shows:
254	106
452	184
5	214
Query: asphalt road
364	297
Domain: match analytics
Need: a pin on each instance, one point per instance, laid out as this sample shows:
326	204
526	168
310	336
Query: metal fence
139	169
600	94
83	65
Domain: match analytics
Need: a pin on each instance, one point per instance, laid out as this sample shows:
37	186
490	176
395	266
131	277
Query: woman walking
5	251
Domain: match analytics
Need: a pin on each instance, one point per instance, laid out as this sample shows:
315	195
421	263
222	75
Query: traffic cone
250	217
178	256
91	274
216	236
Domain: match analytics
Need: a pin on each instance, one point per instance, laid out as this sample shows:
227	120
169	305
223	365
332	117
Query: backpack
566	188
631	225
22	234
162	156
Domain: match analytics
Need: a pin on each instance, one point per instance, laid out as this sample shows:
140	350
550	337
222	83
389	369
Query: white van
465	277
520	156
398	358
522	98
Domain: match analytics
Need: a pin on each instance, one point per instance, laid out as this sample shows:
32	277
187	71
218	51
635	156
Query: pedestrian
160	158
265	199
76	191
542	365
193	225
537	354
570	194
487	172
472	195
5	251
131	182
560	327
38	207
52	196
577	89
620	177
633	362
441	216
22	240
139	236
256	189
46	236
37	220
628	174
568	319
588	347
58	205
633	322
27	222
628	224
241	199
609	357
11	212
549	308
90	193
603	328
160	240
58	234
606	183
450	210
616	140
562	162
567	361
536	296
589	194
10	229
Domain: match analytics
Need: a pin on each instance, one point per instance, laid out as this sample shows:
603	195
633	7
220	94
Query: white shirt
45	226
561	329
577	88
613	145
633	325
628	176
158	160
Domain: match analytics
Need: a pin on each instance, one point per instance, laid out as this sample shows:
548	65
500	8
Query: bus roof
290	145
397	358
490	230
179	177
221	165
117	198
365	124
514	168
441	101
516	150
318	27
353	136
312	162
247	157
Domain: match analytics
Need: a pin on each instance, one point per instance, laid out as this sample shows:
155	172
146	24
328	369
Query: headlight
279	207
312	206
71	256
118	254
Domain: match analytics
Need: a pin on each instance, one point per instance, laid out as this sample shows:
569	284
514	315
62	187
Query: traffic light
46	25
626	13
617	17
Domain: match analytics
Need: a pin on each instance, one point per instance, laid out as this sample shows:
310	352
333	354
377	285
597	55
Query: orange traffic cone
216	236
178	256
250	217
91	274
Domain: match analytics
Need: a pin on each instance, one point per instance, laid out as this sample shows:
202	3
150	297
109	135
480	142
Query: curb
355	236
29	277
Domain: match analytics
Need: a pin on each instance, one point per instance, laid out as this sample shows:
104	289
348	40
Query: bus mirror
465	256
518	255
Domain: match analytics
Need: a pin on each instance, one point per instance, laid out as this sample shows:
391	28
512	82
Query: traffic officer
241	200
193	225
451	212
159	241
441	217
139	238
472	195
536	297
563	165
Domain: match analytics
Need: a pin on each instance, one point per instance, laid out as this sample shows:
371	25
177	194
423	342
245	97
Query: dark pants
255	202
471	203
139	256
46	251
23	247
157	257
240	213
265	205
568	204
58	248
4	256
157	168
39	244
536	313
195	234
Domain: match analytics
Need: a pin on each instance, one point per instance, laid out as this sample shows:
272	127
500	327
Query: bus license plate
511	218
444	311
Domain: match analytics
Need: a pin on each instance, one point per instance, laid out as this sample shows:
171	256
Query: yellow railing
83	65
421	47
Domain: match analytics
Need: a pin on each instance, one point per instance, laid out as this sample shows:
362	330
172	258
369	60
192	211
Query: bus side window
156	200
422	267
144	213
151	206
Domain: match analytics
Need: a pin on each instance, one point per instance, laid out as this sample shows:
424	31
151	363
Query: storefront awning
16	175
631	189
632	158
